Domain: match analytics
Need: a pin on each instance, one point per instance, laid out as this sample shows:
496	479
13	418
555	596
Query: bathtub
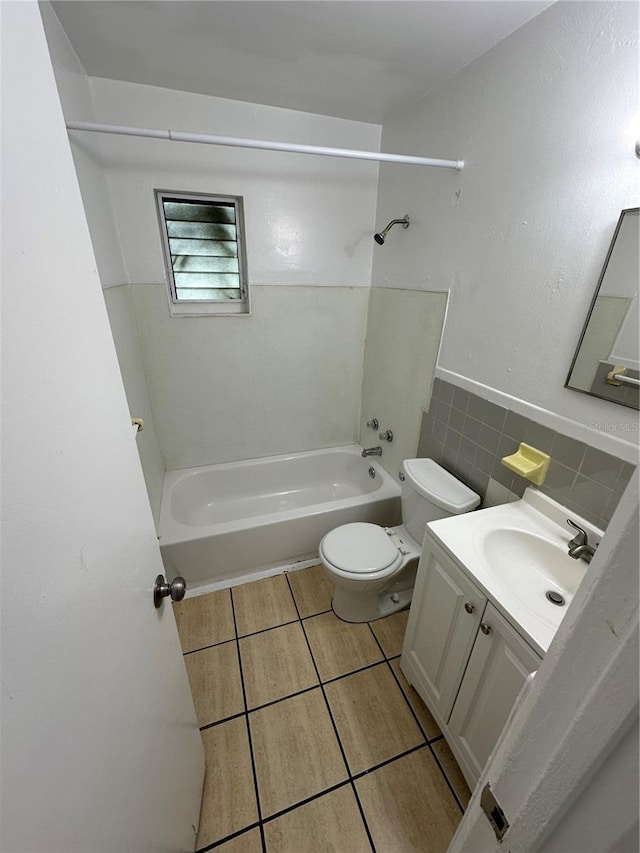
223	522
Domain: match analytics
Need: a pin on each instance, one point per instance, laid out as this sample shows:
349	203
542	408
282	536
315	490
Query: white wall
544	124
125	337
75	94
403	336
74	89
287	378
309	220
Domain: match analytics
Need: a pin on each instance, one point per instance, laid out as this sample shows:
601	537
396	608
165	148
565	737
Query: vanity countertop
516	553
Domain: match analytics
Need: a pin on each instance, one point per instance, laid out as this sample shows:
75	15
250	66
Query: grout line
211	646
431	741
411	708
270	628
319	613
224	840
446	778
220	722
307	800
335	729
282	699
366	772
353	672
415	717
404	695
246	717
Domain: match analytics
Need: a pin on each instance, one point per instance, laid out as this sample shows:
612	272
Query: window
202	237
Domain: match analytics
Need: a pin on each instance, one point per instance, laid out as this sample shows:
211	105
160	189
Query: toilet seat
360	550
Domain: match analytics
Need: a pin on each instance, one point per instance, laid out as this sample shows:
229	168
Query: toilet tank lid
439	486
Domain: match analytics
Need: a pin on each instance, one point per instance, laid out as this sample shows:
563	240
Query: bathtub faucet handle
387	435
373	424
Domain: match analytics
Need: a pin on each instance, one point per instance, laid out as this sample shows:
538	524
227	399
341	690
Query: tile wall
468	436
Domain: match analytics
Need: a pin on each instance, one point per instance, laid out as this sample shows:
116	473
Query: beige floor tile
454	774
421	711
390	632
331	824
248	842
228	800
408	806
312	590
275	664
339	647
372	717
214	676
204	620
296	751
263	604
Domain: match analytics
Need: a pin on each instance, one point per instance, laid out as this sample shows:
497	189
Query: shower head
379	237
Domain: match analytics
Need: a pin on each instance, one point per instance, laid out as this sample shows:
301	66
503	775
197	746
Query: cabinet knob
469	607
486	629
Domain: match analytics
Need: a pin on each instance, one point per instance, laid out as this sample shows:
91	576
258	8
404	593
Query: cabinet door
498	668
444	618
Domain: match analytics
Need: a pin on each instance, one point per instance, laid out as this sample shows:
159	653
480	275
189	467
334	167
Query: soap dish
528	462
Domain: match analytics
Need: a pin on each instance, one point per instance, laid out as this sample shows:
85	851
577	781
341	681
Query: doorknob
176	589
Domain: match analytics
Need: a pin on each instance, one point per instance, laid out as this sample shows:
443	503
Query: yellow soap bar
528	462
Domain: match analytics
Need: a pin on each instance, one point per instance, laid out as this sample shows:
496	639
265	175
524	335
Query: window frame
199	307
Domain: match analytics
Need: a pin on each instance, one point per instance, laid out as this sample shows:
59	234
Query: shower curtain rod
240	142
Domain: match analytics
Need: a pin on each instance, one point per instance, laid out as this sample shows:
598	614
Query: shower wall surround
403	335
286	378
469	435
283	380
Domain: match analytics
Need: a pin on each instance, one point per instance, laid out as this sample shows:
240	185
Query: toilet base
359	607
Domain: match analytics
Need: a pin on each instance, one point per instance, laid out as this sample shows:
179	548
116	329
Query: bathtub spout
372	451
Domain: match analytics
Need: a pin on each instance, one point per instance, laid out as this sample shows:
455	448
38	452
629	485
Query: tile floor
313	738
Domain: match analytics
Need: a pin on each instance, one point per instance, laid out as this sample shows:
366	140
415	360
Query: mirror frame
590	312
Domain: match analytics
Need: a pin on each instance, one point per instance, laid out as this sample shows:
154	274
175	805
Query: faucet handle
580	538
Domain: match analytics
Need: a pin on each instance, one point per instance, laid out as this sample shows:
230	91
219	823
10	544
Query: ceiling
354	60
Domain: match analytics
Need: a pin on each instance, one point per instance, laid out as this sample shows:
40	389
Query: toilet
373	568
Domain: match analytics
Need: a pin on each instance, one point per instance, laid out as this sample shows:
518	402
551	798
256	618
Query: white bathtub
223	521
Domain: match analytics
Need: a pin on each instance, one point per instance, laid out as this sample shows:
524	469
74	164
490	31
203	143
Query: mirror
607	361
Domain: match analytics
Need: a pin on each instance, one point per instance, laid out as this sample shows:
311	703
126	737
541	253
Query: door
445	613
100	747
497	670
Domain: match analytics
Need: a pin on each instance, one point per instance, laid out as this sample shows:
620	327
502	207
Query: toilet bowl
373	568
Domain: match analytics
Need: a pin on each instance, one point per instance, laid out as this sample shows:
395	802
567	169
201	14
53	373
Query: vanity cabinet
446	611
463	657
497	670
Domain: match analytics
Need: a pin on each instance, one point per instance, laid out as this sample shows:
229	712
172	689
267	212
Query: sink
531	566
516	554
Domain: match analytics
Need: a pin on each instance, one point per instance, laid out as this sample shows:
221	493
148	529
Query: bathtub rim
172	532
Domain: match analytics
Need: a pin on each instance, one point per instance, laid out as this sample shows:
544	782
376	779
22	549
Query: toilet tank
429	492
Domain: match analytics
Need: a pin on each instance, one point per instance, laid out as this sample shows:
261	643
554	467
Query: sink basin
530	566
516	554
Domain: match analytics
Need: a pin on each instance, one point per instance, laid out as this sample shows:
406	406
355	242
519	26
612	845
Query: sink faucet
579	546
372	451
